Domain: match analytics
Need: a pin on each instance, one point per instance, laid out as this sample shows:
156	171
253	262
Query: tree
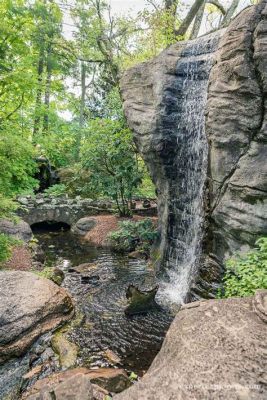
112	162
196	13
181	31
16	91
46	40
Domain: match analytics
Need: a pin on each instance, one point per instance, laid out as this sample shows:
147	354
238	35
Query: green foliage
56	190
51	273
134	235
7	207
77	181
110	157
133	377
158	35
147	188
6	244
245	273
17	163
58	145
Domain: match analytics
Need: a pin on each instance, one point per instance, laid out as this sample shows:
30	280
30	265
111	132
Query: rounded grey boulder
84	225
20	230
29	306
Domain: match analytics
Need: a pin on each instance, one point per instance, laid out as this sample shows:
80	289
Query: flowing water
104	326
187	189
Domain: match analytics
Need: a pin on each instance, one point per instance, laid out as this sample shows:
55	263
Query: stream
102	300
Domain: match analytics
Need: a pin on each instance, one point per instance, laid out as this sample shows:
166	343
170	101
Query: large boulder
83	226
19	230
164	102
198	115
236	125
214	349
29	307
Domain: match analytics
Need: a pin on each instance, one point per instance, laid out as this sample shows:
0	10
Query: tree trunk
171	8
47	88
198	21
230	12
83	93
82	108
38	102
189	18
217	4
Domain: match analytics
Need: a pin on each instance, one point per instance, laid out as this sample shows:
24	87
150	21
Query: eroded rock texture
29	307
165	101
79	384
214	349
236	126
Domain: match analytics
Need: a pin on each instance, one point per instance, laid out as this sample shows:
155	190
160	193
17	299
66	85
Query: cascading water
186	186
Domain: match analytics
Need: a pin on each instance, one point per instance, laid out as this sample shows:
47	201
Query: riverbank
105	224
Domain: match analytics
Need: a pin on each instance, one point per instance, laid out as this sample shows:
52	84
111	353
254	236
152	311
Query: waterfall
187	183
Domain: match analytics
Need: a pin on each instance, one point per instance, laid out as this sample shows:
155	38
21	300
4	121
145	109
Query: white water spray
185	237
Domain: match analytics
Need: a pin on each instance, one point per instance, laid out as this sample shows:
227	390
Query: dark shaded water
104	326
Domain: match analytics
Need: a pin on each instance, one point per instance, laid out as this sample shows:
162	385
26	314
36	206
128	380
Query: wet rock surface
140	301
29	307
213	350
66	350
164	102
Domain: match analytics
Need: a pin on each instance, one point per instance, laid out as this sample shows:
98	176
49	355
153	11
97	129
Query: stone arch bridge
62	209
39	209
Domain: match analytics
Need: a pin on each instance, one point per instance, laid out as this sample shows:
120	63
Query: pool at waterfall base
99	295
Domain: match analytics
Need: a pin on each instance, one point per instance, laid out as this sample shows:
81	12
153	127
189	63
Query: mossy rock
140	302
66	350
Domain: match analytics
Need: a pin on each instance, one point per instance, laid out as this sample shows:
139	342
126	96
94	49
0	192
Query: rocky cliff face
236	126
211	182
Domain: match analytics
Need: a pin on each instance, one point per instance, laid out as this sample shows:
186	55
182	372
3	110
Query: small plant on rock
56	190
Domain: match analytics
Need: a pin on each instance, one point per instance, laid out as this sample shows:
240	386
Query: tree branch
217	4
189	18
15	110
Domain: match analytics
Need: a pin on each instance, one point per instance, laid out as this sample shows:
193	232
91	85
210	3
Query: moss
66	350
52	273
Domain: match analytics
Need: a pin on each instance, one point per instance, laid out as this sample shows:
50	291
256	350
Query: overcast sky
137	5
125	5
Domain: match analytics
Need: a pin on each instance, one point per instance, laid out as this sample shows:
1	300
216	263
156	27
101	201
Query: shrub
134	235
245	273
6	244
56	190
7	207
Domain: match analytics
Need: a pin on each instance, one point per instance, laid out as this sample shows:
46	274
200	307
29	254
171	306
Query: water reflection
102	300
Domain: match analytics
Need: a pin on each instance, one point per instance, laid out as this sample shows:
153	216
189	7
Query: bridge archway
50	226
